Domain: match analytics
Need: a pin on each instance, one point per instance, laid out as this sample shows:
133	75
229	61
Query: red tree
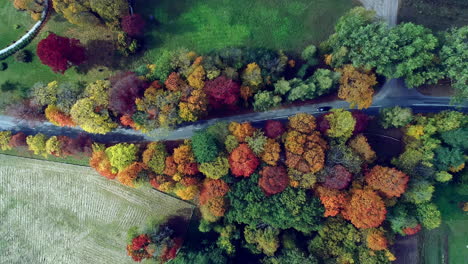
412	230
59	53
18	140
322	123
338	178
133	25
211	189
126	87
222	92
274	129
274	180
362	120
243	161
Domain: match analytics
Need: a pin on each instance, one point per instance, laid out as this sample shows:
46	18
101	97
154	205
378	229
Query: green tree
121	156
419	192
282	87
292	208
265	100
395	117
428	215
291	256
44	94
257	142
400	217
204	147
456	138
341	123
201	253
336	242
37	144
265	239
325	81
163	66
216	169
446	158
454	57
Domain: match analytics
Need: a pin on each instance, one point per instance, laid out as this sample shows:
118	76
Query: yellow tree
356	86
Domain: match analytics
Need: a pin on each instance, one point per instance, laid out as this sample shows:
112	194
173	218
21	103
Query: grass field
435	14
9	19
205	25
79	159
57	213
448	243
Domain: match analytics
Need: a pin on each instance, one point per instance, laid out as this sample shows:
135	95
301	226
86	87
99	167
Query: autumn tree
5	138
18	140
341	124
59	53
121	156
100	162
273	129
194	106
252	75
388	181
376	240
243	161
91	12
186	192
185	159
356	86
222	92
129	174
362	121
337	177
215	169
212	189
85	115
37	144
241	130
57	117
365	209
155	157
305	153
361	146
271	152
125	88
133	25
304	123
35	7
273	180
333	200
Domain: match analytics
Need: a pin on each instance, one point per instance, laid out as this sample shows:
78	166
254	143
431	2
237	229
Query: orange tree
391	182
365	209
356	86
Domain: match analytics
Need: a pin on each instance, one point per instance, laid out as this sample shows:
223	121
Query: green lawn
9	18
58	213
79	159
205	25
448	243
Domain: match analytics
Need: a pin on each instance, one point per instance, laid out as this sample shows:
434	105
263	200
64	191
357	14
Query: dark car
324	108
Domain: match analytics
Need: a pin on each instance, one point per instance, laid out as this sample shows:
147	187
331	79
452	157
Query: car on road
324	108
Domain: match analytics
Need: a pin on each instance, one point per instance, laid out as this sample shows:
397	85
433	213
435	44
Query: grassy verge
447	244
59	213
79	159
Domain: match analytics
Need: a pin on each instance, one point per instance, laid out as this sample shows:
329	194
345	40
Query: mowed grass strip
59	213
13	24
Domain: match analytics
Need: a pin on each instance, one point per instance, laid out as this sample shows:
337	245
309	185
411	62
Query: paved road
393	93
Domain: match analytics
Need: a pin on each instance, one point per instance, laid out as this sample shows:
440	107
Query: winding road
393	93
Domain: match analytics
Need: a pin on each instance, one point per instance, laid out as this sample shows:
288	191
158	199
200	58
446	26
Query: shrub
23	56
